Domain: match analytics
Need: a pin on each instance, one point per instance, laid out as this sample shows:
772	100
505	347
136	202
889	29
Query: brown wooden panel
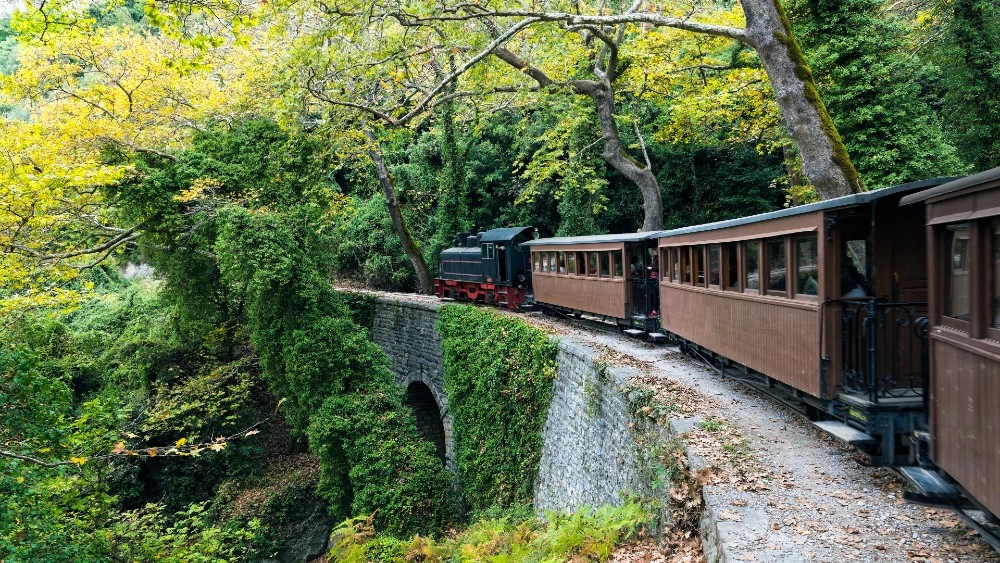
775	336
965	420
577	247
774	227
981	200
602	296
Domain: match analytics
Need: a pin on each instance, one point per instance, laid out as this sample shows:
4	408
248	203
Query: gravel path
819	502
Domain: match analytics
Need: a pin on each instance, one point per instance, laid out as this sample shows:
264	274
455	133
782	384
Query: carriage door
502	273
637	274
489	261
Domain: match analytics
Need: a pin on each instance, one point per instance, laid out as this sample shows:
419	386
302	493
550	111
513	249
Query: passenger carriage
611	276
827	301
963	245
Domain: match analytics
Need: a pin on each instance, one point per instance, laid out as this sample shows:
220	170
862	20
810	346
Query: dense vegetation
222	393
586	535
498	376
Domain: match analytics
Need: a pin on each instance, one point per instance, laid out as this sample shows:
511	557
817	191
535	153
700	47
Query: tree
89	100
971	62
400	49
605	68
871	85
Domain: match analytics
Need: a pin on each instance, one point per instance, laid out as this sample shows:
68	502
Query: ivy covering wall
498	376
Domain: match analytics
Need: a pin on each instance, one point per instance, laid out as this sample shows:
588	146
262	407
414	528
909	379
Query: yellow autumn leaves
87	100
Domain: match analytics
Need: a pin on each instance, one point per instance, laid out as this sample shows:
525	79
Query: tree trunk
409	246
824	158
616	157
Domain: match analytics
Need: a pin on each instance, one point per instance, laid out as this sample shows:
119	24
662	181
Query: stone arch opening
421	401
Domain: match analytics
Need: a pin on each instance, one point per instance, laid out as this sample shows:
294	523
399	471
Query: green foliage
361	307
969	57
185	537
585	535
368	249
498	377
451	209
340	391
701	184
563	160
75	385
8	48
872	89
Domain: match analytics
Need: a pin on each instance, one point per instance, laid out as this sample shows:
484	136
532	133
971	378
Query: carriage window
807	262
581	263
571	262
605	265
733	265
776	265
996	275
675	265
537	261
591	263
562	262
956	302
686	264
619	264
853	268
751	258
699	264
545	261
489	250
714	264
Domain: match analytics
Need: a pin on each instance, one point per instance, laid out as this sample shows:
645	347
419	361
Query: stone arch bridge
589	455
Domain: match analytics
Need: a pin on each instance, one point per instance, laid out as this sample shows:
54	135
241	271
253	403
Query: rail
884	347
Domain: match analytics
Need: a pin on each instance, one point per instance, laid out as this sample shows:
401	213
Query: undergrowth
585	535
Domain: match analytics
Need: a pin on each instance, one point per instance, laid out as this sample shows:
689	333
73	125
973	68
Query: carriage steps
930	483
658	337
845	433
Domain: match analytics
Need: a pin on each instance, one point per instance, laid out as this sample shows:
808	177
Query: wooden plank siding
778	336
602	296
965	353
965	418
775	336
606	296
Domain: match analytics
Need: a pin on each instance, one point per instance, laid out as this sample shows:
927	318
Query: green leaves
498	376
513	537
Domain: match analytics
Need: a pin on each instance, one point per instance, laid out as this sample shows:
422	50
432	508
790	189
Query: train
876	314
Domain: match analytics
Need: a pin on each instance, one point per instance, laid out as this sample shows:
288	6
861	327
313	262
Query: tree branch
642	143
429	97
460	14
217	444
124	237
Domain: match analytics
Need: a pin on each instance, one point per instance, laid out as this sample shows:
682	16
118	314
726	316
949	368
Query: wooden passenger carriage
612	276
827	300
963	241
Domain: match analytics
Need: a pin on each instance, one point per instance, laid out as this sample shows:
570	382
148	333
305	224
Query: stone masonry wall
408	334
589	453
